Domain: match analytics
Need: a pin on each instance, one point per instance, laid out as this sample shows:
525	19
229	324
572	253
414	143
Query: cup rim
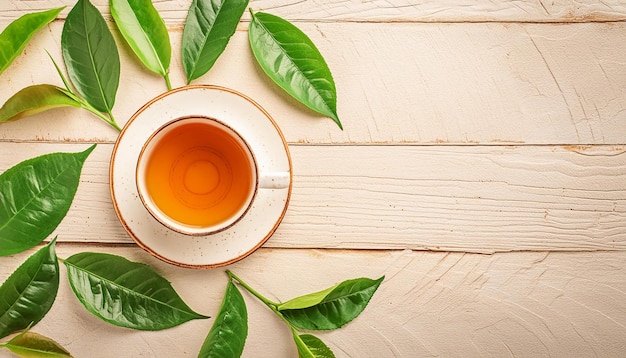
179	227
148	235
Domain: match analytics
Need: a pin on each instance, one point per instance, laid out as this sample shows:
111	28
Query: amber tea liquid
199	174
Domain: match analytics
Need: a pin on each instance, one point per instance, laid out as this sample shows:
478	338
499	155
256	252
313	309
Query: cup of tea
198	176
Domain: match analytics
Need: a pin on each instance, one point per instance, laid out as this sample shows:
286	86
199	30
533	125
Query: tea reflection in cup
198	176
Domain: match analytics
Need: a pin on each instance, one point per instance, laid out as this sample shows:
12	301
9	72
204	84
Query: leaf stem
268	303
110	120
167	81
85	105
113	122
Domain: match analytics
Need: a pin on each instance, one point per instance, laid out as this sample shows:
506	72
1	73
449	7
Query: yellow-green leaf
144	30
35	99
17	35
35	345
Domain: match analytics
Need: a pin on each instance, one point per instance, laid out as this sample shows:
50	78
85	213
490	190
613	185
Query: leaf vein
128	290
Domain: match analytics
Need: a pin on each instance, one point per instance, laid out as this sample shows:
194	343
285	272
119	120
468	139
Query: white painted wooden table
482	169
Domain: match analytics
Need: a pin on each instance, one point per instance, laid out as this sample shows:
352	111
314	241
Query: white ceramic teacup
198	176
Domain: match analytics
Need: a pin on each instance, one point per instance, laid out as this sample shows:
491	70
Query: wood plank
456	84
467	198
379	10
430	304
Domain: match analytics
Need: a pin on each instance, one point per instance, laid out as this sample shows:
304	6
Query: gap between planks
326	250
617	148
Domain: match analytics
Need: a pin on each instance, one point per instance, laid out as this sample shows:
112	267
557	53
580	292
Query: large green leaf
16	36
209	26
310	346
27	295
227	336
91	56
35	345
291	60
35	99
145	32
125	293
35	195
331	308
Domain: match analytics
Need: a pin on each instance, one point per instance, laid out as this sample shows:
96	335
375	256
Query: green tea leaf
27	295
68	91
331	308
35	345
144	30
209	26
35	195
310	346
306	301
16	36
35	99
91	56
125	293
291	60
227	336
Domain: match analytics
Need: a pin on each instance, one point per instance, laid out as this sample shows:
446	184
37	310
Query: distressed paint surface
482	170
382	10
486	84
430	304
465	198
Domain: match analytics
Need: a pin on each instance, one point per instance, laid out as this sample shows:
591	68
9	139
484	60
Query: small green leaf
27	295
16	36
291	60
227	336
331	308
310	346
56	67
35	345
35	195
306	301
125	293
209	26
144	30
35	99
91	56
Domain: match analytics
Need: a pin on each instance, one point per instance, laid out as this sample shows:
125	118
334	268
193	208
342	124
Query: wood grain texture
482	171
379	10
430	305
475	199
486	84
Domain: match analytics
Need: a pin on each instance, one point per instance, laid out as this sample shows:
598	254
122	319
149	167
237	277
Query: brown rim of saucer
145	247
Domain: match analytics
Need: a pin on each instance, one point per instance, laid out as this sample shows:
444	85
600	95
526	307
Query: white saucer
267	144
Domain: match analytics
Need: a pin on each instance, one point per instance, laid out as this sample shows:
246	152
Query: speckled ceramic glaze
267	145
